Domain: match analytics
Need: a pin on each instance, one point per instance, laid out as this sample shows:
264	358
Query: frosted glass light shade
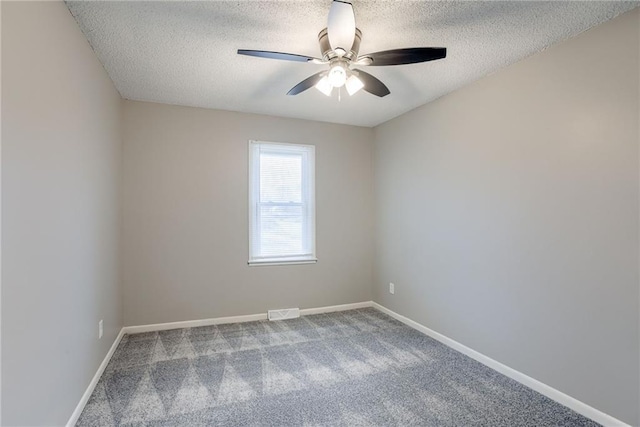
353	85
324	86
337	76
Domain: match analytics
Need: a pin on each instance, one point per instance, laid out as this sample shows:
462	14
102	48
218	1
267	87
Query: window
281	203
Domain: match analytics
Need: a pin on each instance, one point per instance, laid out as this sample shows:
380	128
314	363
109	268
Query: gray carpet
352	368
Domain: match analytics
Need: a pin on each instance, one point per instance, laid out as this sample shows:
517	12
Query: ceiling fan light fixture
340	48
353	85
337	76
324	86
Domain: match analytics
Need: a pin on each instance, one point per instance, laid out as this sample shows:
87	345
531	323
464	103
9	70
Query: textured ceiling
185	52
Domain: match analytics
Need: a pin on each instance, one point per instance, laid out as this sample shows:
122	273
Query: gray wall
185	241
507	216
61	157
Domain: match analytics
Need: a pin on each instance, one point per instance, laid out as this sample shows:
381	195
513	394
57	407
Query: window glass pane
280	177
281	230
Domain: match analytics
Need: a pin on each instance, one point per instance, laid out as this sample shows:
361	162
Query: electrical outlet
392	288
100	329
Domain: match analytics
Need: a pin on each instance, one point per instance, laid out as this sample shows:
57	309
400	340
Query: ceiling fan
340	45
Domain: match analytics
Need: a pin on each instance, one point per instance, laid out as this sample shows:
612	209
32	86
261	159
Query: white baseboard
94	381
332	308
193	323
560	397
237	319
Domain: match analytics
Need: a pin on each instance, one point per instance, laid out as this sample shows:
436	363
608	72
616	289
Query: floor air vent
285	313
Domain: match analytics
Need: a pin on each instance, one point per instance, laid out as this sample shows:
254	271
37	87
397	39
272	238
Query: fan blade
372	84
307	83
341	25
410	55
276	55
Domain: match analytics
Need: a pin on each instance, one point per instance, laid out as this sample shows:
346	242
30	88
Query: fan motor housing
328	53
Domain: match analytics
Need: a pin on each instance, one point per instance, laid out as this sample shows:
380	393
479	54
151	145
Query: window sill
282	262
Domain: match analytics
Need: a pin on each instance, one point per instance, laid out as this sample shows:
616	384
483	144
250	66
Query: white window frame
308	201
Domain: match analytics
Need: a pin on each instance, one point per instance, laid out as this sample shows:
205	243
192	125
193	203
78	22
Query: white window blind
281	203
